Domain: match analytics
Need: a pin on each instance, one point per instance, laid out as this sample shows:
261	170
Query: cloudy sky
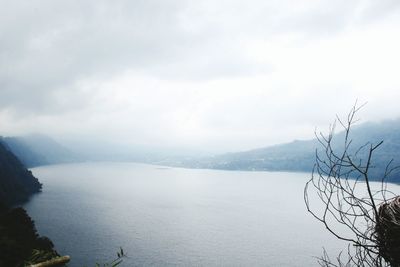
214	75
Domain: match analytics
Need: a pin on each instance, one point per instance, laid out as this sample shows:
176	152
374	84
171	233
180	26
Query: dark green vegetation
19	241
300	155
16	182
20	244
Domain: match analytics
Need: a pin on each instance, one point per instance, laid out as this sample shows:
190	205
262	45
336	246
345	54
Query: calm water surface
177	217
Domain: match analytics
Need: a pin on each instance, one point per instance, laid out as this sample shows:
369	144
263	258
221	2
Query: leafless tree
351	207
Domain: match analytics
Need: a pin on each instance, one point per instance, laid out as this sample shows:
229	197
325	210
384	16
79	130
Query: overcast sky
215	75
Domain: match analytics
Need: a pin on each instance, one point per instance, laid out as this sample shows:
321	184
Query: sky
214	75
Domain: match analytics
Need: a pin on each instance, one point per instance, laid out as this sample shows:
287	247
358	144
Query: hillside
16	182
20	243
300	155
36	150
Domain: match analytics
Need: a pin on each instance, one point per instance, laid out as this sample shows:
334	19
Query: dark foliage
16	182
44	243
18	237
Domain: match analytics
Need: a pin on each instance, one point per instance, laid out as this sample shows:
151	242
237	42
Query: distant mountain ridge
300	155
36	150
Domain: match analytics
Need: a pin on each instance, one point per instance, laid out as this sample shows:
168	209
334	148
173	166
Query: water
177	217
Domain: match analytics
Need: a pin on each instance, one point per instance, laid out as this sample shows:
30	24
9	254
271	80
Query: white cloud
220	75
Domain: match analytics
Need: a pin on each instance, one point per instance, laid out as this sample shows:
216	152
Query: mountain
299	155
16	182
24	152
19	241
294	156
35	150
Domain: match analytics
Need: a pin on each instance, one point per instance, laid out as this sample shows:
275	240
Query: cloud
222	74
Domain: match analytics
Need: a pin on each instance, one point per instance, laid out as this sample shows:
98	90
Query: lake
177	217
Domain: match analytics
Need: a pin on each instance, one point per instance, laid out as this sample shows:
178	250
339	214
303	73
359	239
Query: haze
204	75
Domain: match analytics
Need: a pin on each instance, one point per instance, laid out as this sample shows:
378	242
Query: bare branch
340	180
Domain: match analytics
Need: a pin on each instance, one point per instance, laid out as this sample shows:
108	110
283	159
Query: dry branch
53	262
